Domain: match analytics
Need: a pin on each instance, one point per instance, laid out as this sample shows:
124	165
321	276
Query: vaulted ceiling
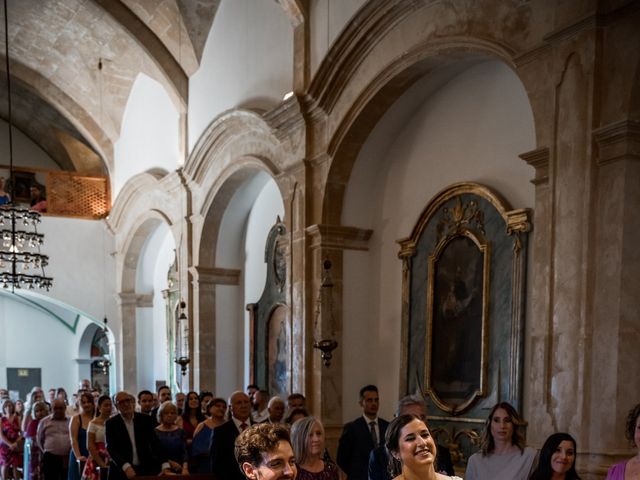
62	100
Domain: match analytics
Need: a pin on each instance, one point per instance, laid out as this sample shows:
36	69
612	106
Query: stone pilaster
328	242
616	282
127	360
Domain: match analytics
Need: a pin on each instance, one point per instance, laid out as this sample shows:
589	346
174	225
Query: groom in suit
361	436
223	463
131	442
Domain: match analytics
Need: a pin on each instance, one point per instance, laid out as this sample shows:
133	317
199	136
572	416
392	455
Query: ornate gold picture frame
457	316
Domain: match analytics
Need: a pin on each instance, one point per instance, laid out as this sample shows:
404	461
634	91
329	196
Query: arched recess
431	63
146	204
236	161
95	346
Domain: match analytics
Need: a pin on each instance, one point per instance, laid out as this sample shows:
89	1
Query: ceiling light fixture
21	263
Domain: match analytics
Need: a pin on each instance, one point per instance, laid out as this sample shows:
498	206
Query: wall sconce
324	302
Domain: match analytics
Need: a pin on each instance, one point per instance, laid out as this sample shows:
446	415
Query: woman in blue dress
78	434
200	448
172	438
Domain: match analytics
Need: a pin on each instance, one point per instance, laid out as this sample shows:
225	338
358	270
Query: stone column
128	352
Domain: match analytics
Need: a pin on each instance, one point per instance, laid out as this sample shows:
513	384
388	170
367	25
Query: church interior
315	195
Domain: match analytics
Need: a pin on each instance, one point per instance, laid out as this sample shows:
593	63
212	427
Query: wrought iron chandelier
21	263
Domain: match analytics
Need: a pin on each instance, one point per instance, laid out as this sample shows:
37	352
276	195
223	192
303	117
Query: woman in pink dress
32	452
11	441
629	469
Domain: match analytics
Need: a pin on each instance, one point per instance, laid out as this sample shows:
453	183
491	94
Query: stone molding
538	159
368	27
338	237
215	276
138	300
618	141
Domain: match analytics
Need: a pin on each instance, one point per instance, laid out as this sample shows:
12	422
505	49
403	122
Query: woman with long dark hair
502	455
557	460
629	468
412	450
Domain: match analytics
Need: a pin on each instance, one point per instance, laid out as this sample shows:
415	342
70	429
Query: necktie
374	434
243	426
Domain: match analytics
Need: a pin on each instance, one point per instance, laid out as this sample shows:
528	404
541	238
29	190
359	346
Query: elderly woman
503	455
32	452
172	438
629	469
557	460
307	439
412	450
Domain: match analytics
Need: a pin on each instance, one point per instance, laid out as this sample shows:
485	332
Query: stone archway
237	149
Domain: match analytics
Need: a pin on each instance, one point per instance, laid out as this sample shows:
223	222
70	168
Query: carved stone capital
538	159
338	237
617	141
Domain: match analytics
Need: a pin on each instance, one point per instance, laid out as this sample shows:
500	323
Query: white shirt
376	427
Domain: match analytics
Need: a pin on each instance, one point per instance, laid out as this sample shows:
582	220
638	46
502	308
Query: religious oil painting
278	351
457	297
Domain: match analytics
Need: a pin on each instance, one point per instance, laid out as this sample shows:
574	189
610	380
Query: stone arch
380	94
134	217
367	70
237	148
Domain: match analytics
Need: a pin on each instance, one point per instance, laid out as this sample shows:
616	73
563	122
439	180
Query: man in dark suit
223	464
378	459
131	442
361	436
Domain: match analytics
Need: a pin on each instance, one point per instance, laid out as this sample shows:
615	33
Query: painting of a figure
457	316
278	352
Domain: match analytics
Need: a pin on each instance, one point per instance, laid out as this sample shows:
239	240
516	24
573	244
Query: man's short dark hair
367	388
204	393
143	392
256	441
253	385
162	387
296	396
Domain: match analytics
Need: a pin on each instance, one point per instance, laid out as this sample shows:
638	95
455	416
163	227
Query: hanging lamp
21	263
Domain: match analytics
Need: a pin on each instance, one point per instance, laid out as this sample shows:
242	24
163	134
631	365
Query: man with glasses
264	452
131	442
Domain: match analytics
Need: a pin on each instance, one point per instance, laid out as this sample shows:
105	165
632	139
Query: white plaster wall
149	136
249	215
467	126
327	20
156	257
32	339
82	269
266	209
247	61
25	152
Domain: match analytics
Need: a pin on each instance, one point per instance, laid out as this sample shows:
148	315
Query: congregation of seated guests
92	436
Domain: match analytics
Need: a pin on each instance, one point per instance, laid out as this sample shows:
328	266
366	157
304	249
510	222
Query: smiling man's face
278	464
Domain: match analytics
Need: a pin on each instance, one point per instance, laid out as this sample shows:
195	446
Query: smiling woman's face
416	447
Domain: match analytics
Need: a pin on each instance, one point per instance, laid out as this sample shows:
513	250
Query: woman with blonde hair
307	440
